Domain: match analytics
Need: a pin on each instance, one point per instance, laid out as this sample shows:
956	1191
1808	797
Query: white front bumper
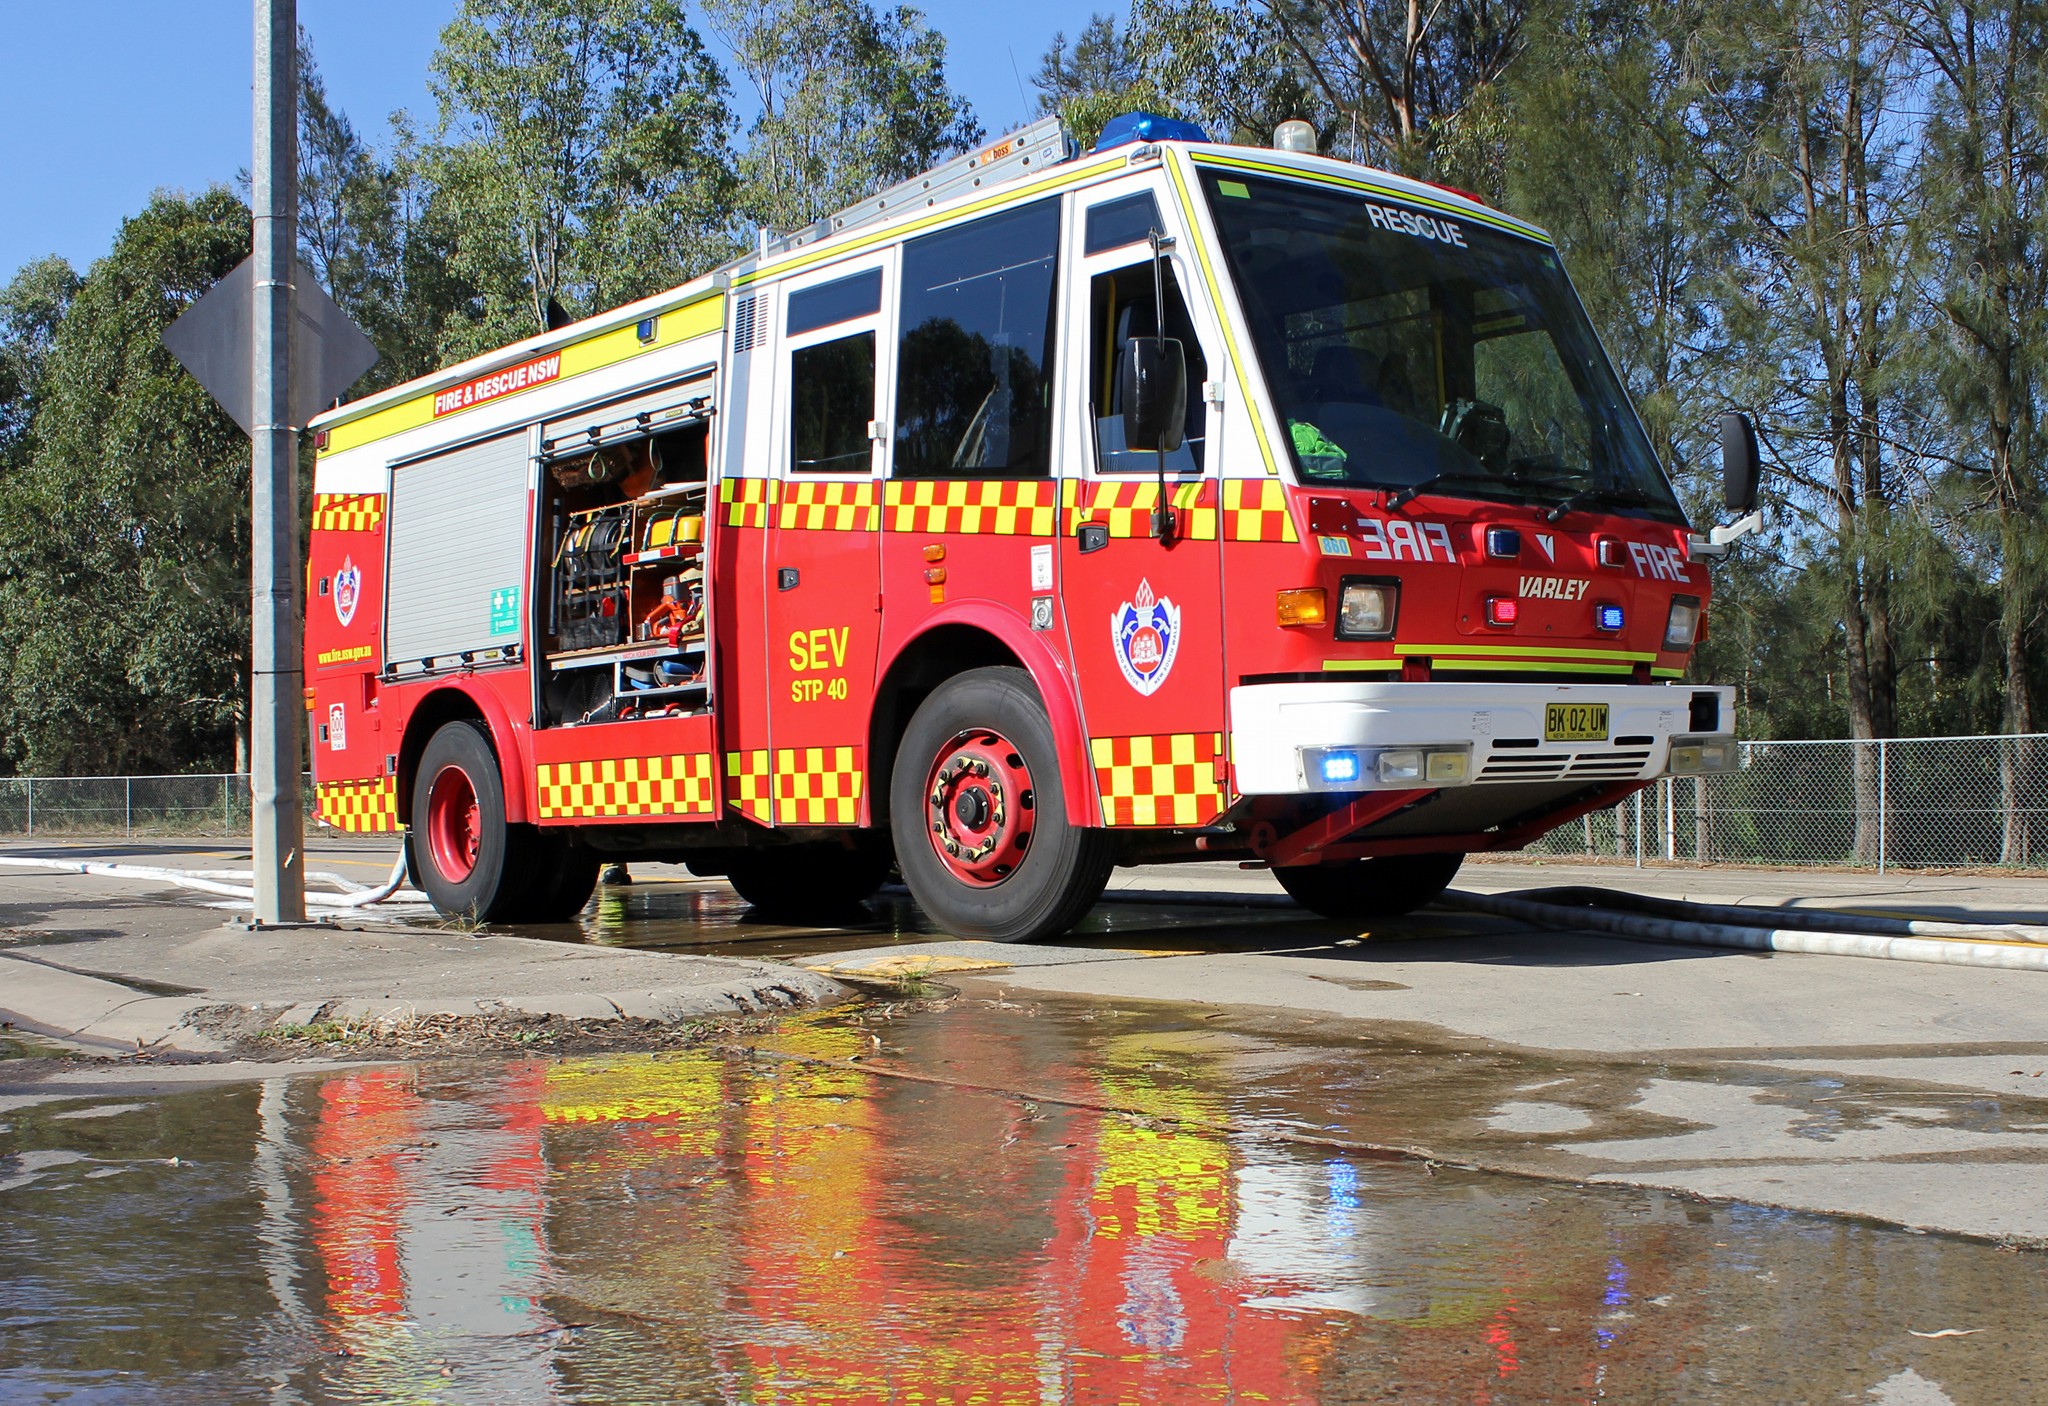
1501	722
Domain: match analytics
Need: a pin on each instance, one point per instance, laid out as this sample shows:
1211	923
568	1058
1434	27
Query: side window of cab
1124	302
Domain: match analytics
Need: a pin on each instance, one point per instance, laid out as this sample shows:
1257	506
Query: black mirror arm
1163	524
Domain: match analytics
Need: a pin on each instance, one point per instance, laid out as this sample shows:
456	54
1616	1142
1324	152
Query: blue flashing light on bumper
1385	768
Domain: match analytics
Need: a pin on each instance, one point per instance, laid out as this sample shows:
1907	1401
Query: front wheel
1370	888
465	857
980	822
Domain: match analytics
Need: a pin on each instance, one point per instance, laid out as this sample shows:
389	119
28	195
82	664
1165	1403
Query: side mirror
1740	466
1155	391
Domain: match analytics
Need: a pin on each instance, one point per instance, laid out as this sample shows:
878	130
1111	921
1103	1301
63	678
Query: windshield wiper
1617	497
1414	490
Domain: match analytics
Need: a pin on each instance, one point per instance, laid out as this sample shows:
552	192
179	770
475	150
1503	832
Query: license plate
1575	722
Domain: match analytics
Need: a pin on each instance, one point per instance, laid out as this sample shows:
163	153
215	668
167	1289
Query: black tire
1061	868
499	872
564	877
822	884
1370	888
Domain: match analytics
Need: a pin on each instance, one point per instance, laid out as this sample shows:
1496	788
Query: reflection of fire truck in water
796	1233
1054	511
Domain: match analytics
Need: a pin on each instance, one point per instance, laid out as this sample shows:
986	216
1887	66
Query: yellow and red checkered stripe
746	501
827	506
995	507
358	807
1173	779
818	785
1125	507
1255	510
671	785
347	512
747	789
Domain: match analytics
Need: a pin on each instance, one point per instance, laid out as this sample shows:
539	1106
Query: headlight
1366	609
1682	623
1690	756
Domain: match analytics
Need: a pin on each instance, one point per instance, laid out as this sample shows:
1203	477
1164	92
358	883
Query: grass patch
320	1032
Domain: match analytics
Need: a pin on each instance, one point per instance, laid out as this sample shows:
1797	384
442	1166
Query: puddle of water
869	1210
710	919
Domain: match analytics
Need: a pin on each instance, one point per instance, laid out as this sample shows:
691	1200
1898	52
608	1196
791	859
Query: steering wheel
1480	429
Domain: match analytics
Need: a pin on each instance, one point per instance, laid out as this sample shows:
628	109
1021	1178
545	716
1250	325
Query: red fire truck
1053	511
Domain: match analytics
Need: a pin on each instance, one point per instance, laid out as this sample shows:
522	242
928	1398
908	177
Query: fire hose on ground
2010	946
212	881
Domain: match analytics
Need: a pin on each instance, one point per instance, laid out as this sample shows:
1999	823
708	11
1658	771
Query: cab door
823	582
1144	614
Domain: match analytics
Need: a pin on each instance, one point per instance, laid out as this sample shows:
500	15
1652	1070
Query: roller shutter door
458	552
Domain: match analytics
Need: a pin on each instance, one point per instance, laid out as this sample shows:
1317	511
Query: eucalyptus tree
582	158
1801	121
851	99
32	306
1980	221
124	606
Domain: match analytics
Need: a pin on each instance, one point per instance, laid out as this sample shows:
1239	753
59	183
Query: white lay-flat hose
1806	919
209	880
2007	954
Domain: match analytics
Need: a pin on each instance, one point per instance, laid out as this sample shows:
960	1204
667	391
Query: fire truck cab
1055	510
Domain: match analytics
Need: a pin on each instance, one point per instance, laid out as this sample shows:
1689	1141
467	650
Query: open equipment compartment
624	491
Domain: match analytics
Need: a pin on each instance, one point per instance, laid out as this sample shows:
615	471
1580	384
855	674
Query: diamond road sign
212	341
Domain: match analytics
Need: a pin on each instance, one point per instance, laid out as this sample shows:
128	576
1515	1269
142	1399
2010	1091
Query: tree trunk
2020	772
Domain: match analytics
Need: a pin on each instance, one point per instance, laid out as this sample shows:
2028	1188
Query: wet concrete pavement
1560	1099
998	1201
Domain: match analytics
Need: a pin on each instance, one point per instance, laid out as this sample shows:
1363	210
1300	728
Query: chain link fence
1901	803
216	806
1907	803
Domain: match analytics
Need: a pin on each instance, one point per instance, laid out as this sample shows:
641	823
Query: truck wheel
564	877
1370	888
822	884
465	857
981	827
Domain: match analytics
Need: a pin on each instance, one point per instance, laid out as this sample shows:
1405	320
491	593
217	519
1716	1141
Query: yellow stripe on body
704	312
1529	666
1493	651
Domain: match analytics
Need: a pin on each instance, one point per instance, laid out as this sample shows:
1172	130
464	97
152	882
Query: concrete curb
100	1014
106	1016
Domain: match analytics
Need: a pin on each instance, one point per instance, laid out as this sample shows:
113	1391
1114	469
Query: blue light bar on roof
1147	127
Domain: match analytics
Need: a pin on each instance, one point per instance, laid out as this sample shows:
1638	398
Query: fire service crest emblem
1147	635
348	589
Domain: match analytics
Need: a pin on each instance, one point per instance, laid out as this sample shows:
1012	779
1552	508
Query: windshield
1405	349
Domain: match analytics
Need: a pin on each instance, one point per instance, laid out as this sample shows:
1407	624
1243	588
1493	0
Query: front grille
1607	764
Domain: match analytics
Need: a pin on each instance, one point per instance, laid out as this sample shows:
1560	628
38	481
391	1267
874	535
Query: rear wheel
808	883
1370	888
981	827
465	857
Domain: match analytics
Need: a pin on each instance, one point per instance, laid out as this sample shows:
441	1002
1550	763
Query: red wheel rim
979	807
454	827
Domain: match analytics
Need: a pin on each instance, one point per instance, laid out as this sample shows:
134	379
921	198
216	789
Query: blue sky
109	100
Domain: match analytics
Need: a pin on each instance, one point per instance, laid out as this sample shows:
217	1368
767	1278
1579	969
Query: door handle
785	578
1094	536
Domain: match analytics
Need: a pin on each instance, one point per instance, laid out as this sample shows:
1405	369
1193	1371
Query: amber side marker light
1306	605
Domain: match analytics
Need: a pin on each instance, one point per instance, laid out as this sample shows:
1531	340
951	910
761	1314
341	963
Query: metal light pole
276	704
